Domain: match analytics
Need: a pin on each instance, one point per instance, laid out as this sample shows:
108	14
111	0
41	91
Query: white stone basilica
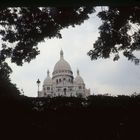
62	82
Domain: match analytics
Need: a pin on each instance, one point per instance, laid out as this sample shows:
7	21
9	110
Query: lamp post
38	84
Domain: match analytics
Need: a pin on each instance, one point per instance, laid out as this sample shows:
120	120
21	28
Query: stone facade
62	82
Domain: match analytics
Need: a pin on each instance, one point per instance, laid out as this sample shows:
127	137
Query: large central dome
61	65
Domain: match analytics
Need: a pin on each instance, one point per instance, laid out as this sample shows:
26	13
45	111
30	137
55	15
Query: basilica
63	82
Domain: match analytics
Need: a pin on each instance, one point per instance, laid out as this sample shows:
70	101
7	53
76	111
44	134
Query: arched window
65	91
80	87
59	80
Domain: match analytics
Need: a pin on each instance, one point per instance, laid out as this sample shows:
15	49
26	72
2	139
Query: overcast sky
101	76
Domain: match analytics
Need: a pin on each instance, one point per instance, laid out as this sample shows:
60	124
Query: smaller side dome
78	79
48	80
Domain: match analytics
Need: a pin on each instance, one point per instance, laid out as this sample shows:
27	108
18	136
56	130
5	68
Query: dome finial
61	54
48	73
77	71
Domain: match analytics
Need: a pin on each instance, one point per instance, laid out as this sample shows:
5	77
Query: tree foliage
119	32
26	27
5	71
7	89
101	118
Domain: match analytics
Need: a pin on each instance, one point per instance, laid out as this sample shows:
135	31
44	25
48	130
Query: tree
24	28
5	71
7	89
119	32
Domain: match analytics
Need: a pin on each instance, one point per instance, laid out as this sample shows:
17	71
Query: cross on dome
78	72
48	73
61	54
